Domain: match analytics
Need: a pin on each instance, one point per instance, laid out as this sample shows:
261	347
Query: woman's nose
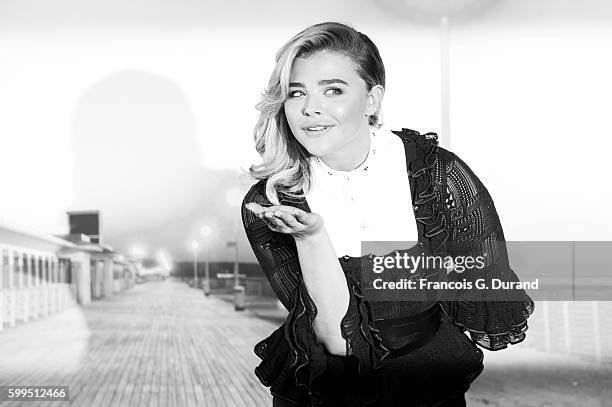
311	106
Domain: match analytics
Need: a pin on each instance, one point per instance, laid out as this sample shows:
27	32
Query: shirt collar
319	166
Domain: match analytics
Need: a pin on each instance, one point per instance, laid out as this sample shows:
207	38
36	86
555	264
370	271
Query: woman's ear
375	97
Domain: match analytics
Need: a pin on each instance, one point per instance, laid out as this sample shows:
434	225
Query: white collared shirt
369	203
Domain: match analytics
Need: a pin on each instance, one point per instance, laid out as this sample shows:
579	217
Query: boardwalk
165	344
159	344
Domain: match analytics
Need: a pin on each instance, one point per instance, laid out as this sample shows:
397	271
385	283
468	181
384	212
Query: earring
379	116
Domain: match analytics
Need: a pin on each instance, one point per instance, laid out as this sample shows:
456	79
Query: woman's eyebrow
321	82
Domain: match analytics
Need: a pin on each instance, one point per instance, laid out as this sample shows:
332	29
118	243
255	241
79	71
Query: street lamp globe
205	231
195	245
138	252
422	10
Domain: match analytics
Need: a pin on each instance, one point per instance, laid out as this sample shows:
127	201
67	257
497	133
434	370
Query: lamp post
194	247
206	231
139	253
439	11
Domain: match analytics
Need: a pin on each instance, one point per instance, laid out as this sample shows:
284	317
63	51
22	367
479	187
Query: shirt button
362	227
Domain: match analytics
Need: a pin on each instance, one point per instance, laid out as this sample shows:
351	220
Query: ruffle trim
371	343
426	201
308	355
492	324
293	359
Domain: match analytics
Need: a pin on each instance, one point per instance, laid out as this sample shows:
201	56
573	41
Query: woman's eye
334	91
331	91
292	93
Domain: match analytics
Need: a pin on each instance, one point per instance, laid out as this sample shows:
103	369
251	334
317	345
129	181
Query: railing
33	284
258	286
580	328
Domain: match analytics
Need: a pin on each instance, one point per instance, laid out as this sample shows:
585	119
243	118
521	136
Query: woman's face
327	103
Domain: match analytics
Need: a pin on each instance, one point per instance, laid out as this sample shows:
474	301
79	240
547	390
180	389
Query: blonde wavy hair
285	162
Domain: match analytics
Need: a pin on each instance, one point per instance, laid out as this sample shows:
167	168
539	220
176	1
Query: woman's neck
351	155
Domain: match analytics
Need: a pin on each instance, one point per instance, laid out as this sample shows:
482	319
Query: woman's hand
288	219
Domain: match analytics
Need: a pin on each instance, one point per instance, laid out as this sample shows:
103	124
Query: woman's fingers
302	216
298	214
282	221
282	218
288	219
276	223
262	212
259	210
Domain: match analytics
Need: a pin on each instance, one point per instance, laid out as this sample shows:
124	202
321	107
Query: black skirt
436	374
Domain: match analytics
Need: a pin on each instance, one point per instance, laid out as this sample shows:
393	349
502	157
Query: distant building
86	223
34	280
103	271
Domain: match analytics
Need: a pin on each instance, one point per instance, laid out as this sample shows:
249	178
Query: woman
323	188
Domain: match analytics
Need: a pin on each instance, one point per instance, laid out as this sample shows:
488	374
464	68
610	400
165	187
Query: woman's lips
317	132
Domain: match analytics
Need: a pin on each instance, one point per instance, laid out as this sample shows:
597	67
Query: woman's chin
317	150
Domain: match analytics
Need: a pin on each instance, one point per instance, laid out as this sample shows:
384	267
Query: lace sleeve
272	250
475	230
292	357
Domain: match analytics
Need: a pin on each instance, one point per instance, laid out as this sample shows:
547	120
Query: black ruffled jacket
455	216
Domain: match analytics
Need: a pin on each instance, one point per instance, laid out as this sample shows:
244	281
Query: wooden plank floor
165	344
158	344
